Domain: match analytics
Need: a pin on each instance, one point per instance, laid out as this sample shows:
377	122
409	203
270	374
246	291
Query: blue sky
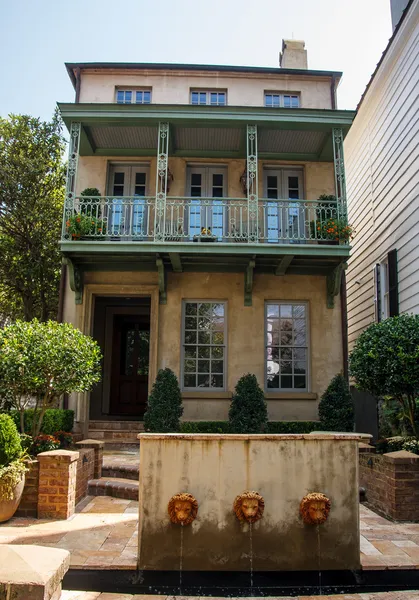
38	36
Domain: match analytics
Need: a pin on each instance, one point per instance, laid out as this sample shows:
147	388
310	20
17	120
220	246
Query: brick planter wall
58	480
28	506
391	482
85	472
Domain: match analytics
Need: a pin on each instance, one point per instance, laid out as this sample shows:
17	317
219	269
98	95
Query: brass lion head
182	508
249	507
315	508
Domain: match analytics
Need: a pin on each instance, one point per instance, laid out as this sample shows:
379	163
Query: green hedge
55	419
272	427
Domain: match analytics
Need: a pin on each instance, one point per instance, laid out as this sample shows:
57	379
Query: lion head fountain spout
249	507
182	508
315	508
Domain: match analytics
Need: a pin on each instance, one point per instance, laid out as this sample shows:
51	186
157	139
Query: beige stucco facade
174	87
245	332
318	177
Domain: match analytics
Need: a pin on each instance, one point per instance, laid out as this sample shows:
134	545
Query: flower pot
9	507
75	236
328	242
204	238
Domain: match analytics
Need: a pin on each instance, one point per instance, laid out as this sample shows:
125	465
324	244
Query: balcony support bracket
75	278
283	264
162	281
333	283
248	283
176	262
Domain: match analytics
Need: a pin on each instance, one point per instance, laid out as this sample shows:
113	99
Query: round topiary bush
164	406
336	411
10	445
248	412
385	362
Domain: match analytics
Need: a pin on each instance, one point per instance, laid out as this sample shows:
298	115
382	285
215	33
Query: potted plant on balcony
327	228
205	236
85	222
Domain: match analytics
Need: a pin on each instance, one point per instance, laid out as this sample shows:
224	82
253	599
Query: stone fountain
203	496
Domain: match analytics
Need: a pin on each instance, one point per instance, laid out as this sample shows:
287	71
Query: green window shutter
393	286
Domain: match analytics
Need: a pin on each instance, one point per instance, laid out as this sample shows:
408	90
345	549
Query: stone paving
103	534
376	596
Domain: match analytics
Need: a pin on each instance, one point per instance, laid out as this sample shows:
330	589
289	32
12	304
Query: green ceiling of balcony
301	134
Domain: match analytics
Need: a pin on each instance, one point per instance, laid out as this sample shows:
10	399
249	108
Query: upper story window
212	98
133	96
278	100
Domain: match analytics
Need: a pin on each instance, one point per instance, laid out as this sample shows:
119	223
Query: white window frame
381	290
133	91
281	99
182	368
307	347
207	93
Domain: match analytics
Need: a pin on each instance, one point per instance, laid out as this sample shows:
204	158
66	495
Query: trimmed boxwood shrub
248	411
55	419
164	406
336	409
205	427
271	427
10	446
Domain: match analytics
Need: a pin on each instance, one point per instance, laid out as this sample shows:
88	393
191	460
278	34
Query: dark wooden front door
130	357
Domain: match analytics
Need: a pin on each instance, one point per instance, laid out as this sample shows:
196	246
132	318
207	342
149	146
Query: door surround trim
85	324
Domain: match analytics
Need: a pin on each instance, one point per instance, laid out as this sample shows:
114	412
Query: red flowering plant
334	229
80	225
65	438
44	443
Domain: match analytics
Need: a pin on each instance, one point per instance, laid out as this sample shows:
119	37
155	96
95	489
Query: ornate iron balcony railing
183	219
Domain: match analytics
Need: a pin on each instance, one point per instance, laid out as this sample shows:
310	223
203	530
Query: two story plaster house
208	251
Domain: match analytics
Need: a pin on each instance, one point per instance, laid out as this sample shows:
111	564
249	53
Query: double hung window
213	98
286	366
386	295
204	345
133	96
279	100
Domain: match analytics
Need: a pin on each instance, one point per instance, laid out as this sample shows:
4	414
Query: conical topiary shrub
164	406
248	412
336	409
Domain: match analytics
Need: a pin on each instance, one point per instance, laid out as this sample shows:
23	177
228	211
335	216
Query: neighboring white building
381	157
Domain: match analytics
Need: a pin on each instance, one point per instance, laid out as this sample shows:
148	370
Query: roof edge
70	66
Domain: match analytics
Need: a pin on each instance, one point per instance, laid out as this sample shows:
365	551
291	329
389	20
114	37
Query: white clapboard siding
382	171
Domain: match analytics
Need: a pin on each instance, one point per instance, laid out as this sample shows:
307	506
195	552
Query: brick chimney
293	55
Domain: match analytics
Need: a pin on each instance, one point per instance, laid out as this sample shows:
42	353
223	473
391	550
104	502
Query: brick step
121	445
109	434
117	487
121	471
117	425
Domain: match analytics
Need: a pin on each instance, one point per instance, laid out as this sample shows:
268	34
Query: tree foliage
336	410
164	407
32	178
385	362
248	412
43	361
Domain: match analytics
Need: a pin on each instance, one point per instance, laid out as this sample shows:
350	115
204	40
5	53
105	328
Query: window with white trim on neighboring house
386	295
211	97
204	345
286	360
280	100
133	96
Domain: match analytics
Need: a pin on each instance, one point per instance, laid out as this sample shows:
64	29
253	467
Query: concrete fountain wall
216	468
